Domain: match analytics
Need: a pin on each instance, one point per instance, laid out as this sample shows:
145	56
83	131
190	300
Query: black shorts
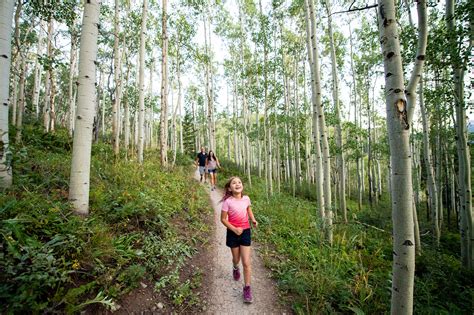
233	240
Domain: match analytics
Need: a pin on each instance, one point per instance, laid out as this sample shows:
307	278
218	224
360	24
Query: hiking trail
225	294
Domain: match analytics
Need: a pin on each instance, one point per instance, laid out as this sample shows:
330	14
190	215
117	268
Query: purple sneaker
236	273
247	294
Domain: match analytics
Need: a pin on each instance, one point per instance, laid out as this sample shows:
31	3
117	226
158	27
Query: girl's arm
225	221
249	211
217	163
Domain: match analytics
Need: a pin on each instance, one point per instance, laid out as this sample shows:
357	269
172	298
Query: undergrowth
354	274
53	261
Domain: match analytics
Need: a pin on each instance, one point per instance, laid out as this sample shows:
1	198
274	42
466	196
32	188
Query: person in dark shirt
201	163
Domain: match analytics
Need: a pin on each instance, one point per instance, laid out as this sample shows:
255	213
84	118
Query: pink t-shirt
237	211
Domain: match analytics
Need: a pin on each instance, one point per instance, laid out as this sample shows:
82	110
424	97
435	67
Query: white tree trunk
464	158
47	89
322	126
72	74
86	101
266	122
6	16
127	117
430	175
103	102
164	89
316	99
37	71
141	86
52	103
398	124
335	96
117	66
21	100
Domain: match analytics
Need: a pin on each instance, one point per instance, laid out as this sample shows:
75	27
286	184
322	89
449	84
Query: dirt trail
225	294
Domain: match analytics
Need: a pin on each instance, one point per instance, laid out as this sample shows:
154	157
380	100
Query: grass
354	274
54	261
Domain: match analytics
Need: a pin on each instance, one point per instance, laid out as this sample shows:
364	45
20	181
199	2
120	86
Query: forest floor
218	292
224	295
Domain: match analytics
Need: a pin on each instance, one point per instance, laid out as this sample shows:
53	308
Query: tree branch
357	9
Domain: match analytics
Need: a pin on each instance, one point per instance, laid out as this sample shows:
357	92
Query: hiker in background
235	215
201	163
212	163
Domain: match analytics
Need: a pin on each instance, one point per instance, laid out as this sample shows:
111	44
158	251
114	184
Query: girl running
212	163
235	215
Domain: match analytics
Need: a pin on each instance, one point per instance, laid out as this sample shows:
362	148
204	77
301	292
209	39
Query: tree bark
464	159
47	89
21	100
430	175
117	66
86	101
6	17
316	100
398	125
335	96
164	89
72	74
37	72
141	83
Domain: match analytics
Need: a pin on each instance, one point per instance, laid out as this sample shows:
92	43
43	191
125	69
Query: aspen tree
86	101
16	60
72	74
464	158
117	66
399	113
318	114
358	161
49	71
37	71
335	96
415	79
430	175
126	105
6	16
141	85
164	89
21	100
315	98
266	122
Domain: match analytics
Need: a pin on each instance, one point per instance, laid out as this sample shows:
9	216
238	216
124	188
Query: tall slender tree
459	66
86	106
399	113
141	85
6	16
164	88
315	98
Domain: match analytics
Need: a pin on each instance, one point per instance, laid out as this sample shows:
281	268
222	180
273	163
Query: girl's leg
245	255
235	255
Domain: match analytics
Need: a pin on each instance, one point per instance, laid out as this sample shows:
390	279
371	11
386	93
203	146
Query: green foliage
52	260
354	275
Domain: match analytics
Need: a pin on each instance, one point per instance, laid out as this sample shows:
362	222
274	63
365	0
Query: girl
212	163
235	216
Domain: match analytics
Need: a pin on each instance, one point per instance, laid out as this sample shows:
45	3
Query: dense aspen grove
352	105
